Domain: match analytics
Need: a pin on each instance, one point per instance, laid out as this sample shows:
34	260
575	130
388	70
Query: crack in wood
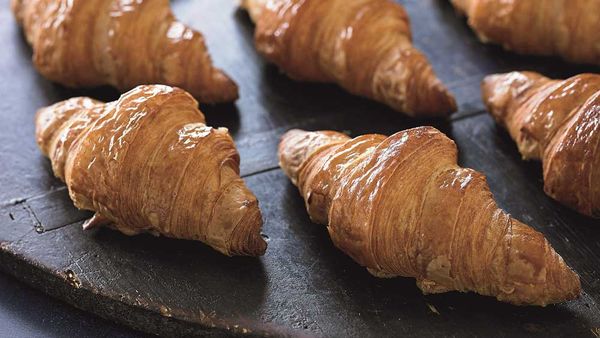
17	201
63	225
37	225
12	202
465	116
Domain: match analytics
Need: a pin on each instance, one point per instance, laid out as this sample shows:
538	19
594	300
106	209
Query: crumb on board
432	309
165	311
72	279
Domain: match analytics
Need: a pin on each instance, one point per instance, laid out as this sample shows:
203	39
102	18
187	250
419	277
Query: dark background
303	285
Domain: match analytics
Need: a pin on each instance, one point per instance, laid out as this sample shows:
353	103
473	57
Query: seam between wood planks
35	222
38	226
17	201
468	115
258	172
456	119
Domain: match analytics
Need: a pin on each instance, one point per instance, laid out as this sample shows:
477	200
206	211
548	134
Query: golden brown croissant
557	122
362	45
148	163
401	206
120	43
569	28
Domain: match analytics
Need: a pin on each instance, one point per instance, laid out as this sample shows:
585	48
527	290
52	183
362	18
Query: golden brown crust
557	122
401	206
362	45
124	44
148	163
569	28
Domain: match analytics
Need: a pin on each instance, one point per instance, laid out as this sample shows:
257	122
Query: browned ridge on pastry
86	43
401	206
568	28
148	163
365	46
557	122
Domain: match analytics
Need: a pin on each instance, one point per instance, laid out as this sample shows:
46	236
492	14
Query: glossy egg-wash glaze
557	122
85	43
401	206
362	45
569	28
148	163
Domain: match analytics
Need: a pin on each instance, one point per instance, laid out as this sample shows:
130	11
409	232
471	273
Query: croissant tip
447	101
452	107
571	278
567	288
439	102
222	89
255	246
230	91
246	239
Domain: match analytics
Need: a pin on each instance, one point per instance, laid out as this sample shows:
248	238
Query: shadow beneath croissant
222	115
244	21
398	301
318	106
187	274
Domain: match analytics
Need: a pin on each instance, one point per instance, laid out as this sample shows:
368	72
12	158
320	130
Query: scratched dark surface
303	285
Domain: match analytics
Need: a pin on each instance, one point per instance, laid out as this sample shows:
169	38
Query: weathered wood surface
28	312
303	285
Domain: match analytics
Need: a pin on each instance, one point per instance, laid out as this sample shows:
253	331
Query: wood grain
303	285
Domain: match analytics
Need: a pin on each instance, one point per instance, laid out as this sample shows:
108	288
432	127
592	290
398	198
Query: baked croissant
401	206
362	45
148	163
557	122
86	43
568	28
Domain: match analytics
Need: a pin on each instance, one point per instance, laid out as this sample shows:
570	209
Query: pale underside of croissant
568	28
148	163
362	45
557	122
86	43
401	206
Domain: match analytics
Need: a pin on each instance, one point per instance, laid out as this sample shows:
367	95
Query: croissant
401	206
365	46
568	28
86	43
148	163
557	122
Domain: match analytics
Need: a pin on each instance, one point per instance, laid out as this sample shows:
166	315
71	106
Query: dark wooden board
28	312
303	285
